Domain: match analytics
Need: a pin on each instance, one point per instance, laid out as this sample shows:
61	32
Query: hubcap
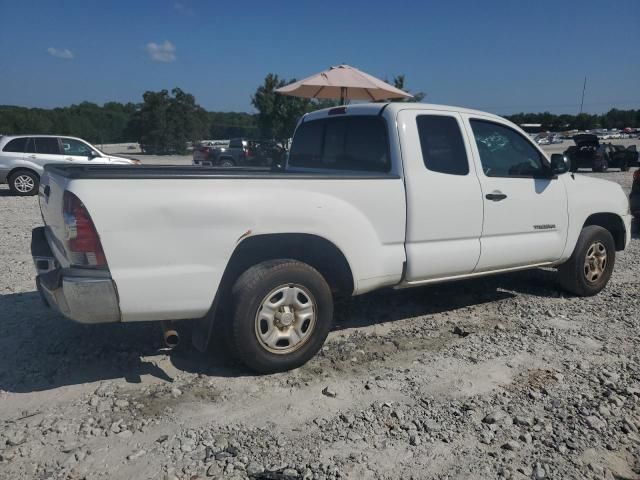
24	183
286	319
595	262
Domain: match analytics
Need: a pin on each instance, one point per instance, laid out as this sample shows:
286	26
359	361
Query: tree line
165	121
614	118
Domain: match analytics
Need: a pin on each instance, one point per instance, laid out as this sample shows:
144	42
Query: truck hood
584	139
122	160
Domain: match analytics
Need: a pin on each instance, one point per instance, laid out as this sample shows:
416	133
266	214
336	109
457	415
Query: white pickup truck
372	195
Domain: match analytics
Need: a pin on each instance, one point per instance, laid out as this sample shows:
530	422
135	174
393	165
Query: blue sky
500	56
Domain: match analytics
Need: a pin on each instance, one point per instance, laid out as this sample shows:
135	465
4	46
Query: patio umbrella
343	82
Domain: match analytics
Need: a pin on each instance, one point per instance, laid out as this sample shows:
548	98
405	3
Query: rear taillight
83	242
636	175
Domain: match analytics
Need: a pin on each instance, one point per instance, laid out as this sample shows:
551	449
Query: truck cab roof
391	108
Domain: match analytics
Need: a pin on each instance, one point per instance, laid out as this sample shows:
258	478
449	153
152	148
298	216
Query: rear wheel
227	162
24	183
282	312
625	166
590	267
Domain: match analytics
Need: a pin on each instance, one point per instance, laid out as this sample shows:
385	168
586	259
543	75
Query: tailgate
51	195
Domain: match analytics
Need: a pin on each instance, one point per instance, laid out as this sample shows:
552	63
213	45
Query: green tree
399	82
278	114
166	122
232	124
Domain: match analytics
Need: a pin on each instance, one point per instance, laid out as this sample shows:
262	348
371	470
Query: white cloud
61	53
163	52
183	8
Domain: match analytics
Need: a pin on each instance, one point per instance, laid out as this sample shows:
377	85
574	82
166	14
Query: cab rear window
355	143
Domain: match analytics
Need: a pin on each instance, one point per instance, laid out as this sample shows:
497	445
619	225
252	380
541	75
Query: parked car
634	197
588	152
23	157
371	196
241	152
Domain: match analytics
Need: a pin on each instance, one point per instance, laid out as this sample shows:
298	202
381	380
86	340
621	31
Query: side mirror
93	154
560	164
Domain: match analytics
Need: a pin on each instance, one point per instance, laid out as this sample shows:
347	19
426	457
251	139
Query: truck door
525	207
444	200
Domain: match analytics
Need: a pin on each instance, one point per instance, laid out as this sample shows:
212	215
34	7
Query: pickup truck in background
371	195
240	153
588	152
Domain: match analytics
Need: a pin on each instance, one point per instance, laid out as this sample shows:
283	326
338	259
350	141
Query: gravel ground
502	377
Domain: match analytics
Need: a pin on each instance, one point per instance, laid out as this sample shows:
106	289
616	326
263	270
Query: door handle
32	156
495	196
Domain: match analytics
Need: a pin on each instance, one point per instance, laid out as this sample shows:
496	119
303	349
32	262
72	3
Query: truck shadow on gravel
47	351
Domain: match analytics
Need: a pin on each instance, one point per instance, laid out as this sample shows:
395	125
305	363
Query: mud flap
202	328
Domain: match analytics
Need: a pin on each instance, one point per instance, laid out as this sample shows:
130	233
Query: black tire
625	166
22	179
573	273
248	294
227	163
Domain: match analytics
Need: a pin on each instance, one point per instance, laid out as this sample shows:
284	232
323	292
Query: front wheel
227	163
590	267
282	314
625	166
24	183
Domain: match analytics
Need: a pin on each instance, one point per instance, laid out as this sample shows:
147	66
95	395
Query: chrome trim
83	299
86	295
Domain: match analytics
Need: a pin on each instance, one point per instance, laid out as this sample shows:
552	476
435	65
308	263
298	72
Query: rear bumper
86	296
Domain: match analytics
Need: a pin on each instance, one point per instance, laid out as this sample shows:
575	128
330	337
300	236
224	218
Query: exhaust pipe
170	335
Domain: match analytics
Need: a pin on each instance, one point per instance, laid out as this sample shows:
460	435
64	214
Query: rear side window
47	145
442	145
16	145
357	143
31	146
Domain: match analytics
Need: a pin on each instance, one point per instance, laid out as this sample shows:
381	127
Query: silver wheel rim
24	183
286	319
227	164
595	262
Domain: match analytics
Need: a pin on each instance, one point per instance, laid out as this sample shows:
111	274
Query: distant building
531	127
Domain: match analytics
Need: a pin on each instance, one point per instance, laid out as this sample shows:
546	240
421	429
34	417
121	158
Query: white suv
23	157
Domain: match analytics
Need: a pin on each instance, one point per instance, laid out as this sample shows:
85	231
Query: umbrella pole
343	92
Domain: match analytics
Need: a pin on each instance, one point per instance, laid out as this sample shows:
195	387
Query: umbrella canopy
343	82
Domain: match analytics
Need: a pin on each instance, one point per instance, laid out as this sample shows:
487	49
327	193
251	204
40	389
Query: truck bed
168	232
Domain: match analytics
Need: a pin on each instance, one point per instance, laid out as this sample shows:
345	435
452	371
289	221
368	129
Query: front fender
588	196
